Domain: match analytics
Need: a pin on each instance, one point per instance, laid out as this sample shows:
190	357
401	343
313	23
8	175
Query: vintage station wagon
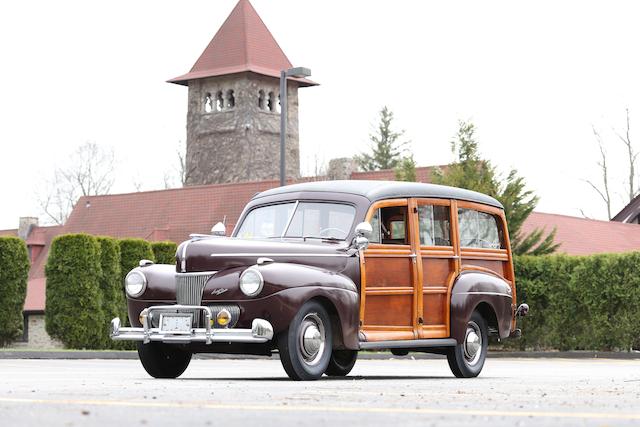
319	271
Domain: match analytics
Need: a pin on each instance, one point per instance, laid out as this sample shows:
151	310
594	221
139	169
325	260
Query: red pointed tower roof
243	43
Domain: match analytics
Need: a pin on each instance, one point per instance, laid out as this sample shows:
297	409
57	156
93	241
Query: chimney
26	224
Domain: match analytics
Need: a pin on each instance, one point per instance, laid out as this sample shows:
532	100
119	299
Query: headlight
251	282
135	283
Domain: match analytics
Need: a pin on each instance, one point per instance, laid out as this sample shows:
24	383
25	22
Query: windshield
298	219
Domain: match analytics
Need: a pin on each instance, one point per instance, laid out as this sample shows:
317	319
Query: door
438	265
389	274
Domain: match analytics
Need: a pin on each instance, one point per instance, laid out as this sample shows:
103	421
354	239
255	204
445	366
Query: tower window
208	103
219	101
231	100
279	105
272	102
261	100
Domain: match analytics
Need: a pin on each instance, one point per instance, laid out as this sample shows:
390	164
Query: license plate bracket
176	323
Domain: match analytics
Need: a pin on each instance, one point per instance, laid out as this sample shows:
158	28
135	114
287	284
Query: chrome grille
189	287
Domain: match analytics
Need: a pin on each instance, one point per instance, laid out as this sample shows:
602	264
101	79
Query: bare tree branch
632	157
89	172
604	192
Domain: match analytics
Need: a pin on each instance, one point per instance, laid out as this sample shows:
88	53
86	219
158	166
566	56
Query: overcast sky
534	77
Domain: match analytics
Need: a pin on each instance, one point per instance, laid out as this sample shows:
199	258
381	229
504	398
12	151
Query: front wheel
341	362
467	358
163	360
305	347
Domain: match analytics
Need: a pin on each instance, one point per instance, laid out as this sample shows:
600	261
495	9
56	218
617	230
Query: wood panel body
406	289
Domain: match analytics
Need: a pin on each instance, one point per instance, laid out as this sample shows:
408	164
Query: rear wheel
163	360
341	362
467	358
305	347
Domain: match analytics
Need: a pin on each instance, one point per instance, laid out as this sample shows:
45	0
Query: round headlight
135	283
251	282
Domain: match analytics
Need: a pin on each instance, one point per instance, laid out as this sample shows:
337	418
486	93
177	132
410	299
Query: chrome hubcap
312	338
473	343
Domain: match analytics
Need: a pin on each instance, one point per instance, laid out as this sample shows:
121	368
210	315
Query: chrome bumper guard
261	330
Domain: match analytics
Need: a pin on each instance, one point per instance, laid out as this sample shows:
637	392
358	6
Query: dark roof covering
629	212
378	190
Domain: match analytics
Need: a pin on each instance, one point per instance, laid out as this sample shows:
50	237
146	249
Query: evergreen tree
406	170
386	146
472	172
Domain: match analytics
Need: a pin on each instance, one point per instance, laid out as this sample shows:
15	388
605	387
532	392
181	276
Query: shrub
74	300
113	298
579	303
164	252
131	252
14	273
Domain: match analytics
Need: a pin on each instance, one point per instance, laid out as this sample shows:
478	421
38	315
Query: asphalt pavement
399	392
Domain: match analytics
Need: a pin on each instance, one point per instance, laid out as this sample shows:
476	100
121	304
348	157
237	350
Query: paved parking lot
522	392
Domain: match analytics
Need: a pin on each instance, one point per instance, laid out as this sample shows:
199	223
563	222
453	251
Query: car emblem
219	291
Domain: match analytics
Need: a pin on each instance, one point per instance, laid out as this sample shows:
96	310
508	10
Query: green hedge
579	303
131	252
164	252
74	299
14	273
113	298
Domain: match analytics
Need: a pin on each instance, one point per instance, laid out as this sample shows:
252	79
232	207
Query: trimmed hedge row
164	252
14	273
579	303
74	299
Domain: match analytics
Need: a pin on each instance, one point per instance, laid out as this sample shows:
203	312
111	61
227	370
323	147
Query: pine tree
472	172
406	170
386	146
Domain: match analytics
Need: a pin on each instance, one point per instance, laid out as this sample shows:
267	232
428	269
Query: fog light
224	317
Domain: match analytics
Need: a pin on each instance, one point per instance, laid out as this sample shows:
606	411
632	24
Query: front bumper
261	330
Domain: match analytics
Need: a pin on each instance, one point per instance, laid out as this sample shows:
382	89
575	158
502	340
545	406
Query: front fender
473	288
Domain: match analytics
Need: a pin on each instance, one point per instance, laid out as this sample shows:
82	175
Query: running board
435	342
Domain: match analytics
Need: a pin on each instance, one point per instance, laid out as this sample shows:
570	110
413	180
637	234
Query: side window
479	230
435	225
390	226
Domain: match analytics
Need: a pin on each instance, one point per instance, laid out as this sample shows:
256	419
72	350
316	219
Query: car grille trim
189	287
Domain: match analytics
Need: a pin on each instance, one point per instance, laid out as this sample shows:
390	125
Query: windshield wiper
324	239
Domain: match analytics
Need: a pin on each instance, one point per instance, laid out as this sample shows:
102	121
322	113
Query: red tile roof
9	232
35	300
582	236
243	43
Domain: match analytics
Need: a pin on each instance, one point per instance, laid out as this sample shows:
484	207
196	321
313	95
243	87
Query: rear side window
479	230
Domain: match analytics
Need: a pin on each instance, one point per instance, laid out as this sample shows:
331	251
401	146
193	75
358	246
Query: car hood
220	253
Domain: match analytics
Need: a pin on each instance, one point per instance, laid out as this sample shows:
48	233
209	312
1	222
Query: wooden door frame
389	251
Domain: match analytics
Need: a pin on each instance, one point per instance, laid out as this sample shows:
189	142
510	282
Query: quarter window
434	225
479	230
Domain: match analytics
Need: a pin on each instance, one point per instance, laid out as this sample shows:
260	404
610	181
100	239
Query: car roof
380	190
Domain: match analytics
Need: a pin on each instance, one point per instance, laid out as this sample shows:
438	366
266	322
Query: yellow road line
337	409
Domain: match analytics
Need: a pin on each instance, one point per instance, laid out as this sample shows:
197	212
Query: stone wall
37	336
233	130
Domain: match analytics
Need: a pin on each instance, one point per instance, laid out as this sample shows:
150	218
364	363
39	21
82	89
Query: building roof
629	212
36	293
583	236
378	190
13	232
243	43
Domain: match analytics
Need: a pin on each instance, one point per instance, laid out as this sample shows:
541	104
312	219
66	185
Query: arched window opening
261	100
279	105
272	102
231	100
219	101
208	103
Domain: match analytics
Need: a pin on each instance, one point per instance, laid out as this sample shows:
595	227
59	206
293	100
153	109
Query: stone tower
233	117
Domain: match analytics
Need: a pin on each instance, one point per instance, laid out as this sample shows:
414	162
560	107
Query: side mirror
219	230
364	229
363	232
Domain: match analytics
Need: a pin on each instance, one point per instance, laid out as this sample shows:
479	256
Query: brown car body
400	295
